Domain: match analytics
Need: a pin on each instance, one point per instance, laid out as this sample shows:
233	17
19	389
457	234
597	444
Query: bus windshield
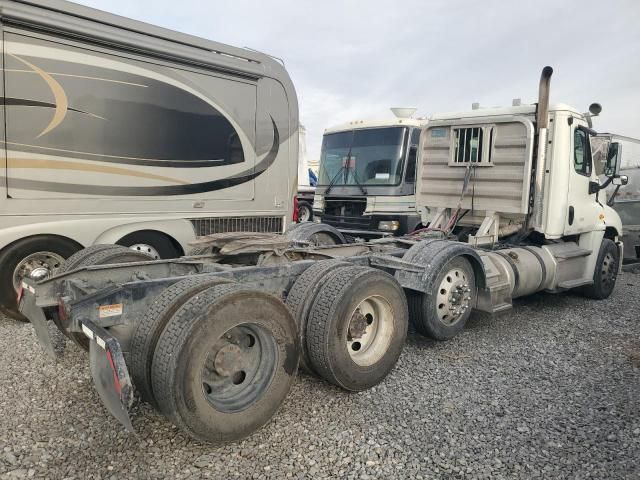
372	156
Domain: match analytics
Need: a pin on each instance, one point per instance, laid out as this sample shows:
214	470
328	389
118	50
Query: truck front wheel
605	273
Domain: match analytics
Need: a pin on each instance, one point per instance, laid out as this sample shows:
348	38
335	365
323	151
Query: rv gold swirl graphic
113	120
167	190
60	97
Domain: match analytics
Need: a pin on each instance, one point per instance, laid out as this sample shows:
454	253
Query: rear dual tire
352	320
153	322
225	362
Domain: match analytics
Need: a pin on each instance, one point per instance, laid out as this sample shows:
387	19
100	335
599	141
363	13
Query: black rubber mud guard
432	254
47	332
109	372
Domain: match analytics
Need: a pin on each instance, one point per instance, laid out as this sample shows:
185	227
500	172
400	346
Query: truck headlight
389	225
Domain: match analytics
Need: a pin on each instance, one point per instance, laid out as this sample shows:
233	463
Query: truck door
585	211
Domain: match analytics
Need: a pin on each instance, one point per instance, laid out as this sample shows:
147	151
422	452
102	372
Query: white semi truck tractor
513	206
520	185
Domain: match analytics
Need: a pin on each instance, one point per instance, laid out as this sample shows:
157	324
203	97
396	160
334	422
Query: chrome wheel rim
304	214
144	248
370	331
454	296
239	367
37	266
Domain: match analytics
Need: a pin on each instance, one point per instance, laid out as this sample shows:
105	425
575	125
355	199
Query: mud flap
109	372
49	337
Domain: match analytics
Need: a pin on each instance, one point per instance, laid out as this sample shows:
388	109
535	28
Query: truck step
572	252
579	282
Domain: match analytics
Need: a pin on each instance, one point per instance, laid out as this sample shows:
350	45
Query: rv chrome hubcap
454	296
144	248
370	331
37	266
239	367
304	214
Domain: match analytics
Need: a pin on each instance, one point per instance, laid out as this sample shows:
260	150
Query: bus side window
410	176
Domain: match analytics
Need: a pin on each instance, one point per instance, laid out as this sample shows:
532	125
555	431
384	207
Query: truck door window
581	157
410	176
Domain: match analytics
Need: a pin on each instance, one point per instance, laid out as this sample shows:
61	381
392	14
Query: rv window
410	176
581	160
469	145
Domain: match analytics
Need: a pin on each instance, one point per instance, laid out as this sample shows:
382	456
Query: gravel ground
549	390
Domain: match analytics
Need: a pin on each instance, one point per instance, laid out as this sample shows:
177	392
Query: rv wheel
36	258
317	234
443	312
154	244
305	212
357	327
225	363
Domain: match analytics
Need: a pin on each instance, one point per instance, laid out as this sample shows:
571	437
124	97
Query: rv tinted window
581	160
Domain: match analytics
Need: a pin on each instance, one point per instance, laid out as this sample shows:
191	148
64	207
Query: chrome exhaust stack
542	121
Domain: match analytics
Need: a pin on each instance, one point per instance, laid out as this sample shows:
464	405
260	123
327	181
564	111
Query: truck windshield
372	156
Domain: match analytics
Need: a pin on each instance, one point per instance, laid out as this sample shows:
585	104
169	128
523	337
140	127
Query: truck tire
44	252
357	327
75	260
443	312
152	323
155	244
100	256
305	211
225	363
301	297
605	273
316	234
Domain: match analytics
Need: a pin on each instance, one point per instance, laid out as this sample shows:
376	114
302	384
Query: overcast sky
354	59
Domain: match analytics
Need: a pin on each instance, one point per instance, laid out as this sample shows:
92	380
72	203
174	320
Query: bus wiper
355	177
334	180
344	165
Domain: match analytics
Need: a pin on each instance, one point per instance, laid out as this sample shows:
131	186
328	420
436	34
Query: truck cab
366	184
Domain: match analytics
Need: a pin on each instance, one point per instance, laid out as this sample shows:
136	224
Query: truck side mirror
621	180
614	158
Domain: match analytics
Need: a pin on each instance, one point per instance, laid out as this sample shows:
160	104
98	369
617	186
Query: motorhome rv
116	131
367	181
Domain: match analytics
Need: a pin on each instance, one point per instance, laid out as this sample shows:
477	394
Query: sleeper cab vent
208	226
